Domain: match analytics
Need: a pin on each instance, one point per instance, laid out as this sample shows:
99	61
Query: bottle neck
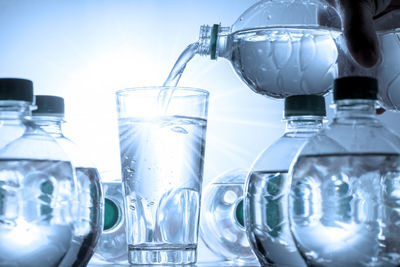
303	125
213	41
14	110
50	124
355	109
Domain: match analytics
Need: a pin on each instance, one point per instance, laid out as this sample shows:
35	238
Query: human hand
358	26
359	31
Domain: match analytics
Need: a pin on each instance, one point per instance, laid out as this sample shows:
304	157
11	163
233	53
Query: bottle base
163	255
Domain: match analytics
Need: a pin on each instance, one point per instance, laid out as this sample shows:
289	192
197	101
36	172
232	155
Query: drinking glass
162	140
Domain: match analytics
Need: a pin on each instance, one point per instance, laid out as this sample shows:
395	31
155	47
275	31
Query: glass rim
158	88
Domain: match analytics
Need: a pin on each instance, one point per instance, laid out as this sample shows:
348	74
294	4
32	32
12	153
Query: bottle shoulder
279	155
346	138
30	142
288	13
78	157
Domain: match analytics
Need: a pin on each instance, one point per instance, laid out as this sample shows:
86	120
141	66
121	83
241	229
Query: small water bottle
38	197
268	184
344	202
49	116
279	47
112	246
222	222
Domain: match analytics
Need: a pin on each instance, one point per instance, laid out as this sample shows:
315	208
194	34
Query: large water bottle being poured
277	47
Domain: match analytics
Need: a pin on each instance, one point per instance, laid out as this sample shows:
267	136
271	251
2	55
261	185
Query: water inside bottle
353	202
89	215
279	61
268	222
36	223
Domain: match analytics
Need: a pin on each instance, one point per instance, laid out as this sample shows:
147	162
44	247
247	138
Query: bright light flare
24	236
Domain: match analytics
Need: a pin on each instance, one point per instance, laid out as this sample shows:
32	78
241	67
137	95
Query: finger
359	31
387	7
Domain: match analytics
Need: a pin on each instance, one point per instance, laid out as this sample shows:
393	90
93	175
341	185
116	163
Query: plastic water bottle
38	197
49	116
344	202
222	222
112	246
268	184
279	47
388	70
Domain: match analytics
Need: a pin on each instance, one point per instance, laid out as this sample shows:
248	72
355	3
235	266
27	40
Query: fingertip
366	56
359	32
363	46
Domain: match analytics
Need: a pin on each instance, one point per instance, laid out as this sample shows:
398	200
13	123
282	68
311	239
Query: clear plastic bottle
279	47
222	222
49	116
112	246
388	70
344	202
268	184
37	185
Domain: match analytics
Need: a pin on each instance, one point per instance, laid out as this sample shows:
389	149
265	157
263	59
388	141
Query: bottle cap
355	87
111	214
49	104
214	39
239	214
305	105
16	89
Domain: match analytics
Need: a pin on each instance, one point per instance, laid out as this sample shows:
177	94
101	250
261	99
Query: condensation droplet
178	129
129	170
